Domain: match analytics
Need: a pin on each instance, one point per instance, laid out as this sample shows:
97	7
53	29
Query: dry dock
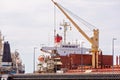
70	76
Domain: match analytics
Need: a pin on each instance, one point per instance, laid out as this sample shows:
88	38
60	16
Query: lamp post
113	39
34	60
81	56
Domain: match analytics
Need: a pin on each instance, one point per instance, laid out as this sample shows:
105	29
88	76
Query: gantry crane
94	40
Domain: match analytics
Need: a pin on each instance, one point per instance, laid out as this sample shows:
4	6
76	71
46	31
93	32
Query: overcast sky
30	23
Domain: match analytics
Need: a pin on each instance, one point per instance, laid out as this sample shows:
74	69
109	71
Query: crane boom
78	28
93	40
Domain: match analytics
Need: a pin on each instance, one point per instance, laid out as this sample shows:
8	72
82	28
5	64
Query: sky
30	23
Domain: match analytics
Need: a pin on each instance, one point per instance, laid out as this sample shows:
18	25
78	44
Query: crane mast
93	40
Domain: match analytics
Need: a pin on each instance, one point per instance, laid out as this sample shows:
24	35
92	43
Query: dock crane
94	40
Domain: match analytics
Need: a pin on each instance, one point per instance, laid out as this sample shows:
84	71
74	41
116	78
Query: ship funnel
6	53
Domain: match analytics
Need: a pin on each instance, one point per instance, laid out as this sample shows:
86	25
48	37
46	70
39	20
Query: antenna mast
65	25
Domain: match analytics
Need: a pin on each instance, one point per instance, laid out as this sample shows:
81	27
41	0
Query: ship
10	62
68	57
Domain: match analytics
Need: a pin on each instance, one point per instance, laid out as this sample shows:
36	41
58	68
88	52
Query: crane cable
88	25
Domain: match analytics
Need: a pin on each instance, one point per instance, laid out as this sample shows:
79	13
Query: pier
58	76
